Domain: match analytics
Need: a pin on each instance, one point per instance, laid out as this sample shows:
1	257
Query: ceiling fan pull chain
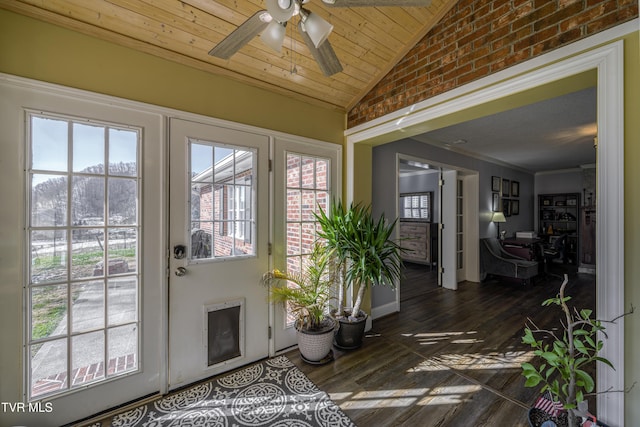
293	69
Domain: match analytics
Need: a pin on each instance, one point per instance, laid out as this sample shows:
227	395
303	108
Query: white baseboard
587	270
383	310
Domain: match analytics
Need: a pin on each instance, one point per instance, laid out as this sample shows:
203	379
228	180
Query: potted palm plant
307	295
565	358
365	256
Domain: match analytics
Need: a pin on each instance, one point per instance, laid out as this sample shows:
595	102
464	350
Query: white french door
460	230
306	178
218	234
81	255
447	258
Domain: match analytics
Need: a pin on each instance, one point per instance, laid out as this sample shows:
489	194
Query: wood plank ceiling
368	41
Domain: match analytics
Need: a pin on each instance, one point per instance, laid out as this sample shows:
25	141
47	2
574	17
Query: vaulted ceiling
368	41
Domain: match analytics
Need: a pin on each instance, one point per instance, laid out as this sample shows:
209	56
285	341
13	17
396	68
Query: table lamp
498	217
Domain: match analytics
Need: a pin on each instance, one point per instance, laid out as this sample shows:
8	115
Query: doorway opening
560	66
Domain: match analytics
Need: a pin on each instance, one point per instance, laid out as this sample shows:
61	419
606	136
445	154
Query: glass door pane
84	249
307	184
306	178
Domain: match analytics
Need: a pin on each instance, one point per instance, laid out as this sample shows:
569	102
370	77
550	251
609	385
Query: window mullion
105	255
68	231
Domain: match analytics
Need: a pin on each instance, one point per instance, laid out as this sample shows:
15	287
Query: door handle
179	251
180	271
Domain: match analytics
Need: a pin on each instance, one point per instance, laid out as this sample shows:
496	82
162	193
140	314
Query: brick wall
479	37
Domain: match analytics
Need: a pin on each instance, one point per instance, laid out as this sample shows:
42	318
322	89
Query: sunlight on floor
454	360
465	361
438	337
450	395
492	360
447	395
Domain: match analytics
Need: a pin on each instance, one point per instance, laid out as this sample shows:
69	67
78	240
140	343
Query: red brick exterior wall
479	37
213	209
307	187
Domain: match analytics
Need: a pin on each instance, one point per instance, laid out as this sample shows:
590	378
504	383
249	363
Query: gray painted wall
384	190
569	181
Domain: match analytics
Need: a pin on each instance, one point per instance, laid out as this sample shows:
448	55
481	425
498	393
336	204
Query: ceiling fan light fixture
273	35
281	10
316	27
265	16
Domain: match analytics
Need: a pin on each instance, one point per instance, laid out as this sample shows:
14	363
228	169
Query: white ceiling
554	134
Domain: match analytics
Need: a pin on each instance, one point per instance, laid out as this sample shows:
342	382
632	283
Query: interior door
219	198
460	230
448	256
306	178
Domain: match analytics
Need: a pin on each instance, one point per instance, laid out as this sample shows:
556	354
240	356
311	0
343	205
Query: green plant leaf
532	381
580	346
528	337
559	347
579	361
585	313
605	361
586	378
551	357
590	341
549	372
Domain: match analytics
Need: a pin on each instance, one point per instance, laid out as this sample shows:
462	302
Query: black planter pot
350	333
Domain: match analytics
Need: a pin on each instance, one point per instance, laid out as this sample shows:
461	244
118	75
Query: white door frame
18	95
471	216
564	62
281	146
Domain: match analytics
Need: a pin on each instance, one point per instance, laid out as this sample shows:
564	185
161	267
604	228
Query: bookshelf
560	214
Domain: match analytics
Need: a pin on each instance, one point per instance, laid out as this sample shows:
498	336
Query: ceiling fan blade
241	35
324	55
377	3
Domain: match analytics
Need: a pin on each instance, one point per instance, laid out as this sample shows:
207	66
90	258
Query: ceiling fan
314	29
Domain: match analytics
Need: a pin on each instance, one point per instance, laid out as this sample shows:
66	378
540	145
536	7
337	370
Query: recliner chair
498	262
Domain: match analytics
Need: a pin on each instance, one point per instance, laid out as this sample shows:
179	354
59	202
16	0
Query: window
240	208
83	239
416	205
222	200
307	190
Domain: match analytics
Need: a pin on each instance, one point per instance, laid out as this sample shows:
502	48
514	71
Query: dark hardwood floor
448	358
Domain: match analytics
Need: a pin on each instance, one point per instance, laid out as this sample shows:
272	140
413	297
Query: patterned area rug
272	393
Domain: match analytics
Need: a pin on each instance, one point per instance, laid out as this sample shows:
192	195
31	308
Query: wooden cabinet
415	238
559	214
